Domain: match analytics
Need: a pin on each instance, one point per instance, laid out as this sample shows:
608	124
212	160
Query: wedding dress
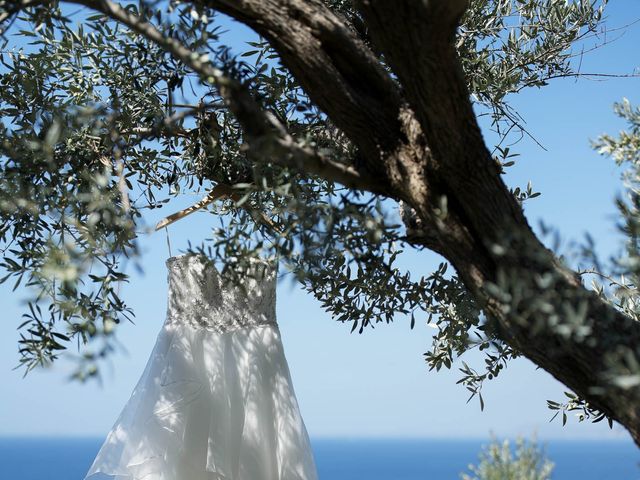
215	401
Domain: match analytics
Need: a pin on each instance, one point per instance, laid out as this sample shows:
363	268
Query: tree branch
267	138
417	39
337	70
535	303
9	8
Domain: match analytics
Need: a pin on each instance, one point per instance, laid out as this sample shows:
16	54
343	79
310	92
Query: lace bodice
199	297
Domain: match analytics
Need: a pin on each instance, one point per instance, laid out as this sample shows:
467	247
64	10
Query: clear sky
374	384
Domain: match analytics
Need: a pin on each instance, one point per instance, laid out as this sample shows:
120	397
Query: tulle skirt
210	406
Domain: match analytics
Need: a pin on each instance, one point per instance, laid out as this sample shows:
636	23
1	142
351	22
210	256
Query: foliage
499	461
508	46
626	148
99	125
618	284
615	281
579	405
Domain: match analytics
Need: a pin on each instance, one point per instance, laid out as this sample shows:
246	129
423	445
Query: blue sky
374	384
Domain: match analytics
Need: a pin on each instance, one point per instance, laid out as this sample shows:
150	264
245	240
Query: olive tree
341	134
501	461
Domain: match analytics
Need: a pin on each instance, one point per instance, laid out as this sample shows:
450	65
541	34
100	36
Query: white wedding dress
215	401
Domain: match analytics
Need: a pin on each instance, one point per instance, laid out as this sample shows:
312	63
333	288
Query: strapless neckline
200	297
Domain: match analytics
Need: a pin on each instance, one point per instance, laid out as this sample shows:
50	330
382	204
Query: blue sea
339	459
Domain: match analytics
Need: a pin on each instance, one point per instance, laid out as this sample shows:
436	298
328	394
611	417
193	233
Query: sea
345	459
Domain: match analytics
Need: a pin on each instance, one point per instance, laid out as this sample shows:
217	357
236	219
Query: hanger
219	192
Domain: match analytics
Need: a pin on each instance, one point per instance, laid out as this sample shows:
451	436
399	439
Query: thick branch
539	306
417	39
267	138
337	70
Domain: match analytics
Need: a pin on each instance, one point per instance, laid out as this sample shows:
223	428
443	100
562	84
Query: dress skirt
212	403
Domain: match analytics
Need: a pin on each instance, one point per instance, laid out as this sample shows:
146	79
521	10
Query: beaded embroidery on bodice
200	298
